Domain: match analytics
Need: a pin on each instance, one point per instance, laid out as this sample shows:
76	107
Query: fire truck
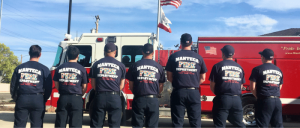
287	58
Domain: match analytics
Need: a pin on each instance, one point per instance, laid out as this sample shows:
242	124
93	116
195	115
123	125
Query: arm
93	83
242	87
14	86
280	86
212	86
47	87
253	88
202	77
83	88
170	76
56	85
131	85
161	87
122	83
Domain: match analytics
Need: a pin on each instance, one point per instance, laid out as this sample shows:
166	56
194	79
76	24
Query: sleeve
129	74
243	77
212	76
162	78
14	85
254	75
281	81
203	67
92	72
123	72
84	77
170	64
56	75
47	84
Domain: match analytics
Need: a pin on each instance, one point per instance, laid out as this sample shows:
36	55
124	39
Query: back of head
35	51
72	52
228	51
268	54
147	49
186	40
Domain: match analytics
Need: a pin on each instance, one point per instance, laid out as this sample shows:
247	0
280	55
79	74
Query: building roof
287	32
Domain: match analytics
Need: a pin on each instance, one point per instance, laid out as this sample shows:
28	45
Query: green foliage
8	62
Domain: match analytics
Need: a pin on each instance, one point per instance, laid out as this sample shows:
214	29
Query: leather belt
32	94
266	97
72	94
192	88
149	96
114	93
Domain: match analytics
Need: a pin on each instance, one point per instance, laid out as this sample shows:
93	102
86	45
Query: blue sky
44	22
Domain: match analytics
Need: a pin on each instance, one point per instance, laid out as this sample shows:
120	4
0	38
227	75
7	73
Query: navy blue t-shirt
228	76
268	78
108	73
146	75
32	77
186	67
70	76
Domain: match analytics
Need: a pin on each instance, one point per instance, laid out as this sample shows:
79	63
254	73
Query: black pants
268	111
188	99
32	105
69	106
145	107
228	107
110	103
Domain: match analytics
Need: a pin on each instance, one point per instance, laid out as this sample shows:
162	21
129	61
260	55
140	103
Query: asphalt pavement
5	97
7	118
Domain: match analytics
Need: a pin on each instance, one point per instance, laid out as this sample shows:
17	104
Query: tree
8	63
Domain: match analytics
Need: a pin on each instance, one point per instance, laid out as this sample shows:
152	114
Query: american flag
210	50
175	3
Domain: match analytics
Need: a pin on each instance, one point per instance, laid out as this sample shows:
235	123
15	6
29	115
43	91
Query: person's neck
110	56
268	62
34	59
227	59
148	57
187	48
73	61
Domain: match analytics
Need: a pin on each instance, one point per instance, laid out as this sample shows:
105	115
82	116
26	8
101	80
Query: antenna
97	22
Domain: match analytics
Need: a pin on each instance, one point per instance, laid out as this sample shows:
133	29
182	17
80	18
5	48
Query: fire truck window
131	54
57	57
85	55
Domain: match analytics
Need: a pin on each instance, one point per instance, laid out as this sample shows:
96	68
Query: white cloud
256	23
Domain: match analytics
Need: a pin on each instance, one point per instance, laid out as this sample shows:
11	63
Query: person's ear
40	55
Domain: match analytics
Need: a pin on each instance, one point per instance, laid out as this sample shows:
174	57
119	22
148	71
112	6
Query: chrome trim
125	99
245	94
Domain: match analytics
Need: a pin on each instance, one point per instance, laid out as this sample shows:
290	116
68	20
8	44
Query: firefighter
265	83
146	80
186	70
108	77
70	80
31	86
226	82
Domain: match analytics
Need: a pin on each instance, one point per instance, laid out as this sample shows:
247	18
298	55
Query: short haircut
35	51
72	52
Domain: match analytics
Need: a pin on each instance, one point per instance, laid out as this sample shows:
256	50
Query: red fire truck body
287	58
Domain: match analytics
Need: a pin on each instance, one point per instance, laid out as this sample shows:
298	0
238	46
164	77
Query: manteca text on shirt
184	58
272	77
32	70
108	65
69	70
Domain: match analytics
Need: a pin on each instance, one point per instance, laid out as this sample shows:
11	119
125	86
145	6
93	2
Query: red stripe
164	28
175	3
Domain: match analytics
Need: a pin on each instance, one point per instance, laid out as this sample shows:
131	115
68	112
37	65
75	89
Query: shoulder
45	68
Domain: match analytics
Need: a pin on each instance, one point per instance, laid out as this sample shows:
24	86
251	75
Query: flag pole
157	31
158	18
